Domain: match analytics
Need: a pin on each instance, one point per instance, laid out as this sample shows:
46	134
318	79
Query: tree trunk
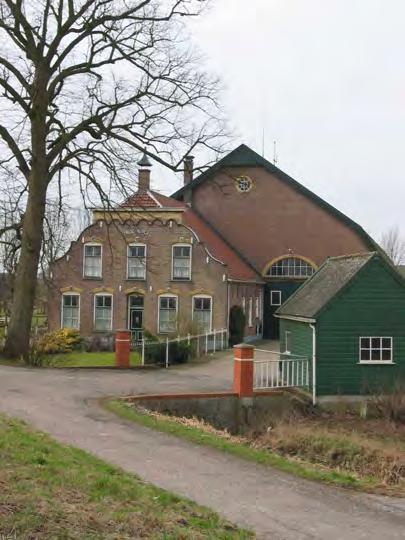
19	329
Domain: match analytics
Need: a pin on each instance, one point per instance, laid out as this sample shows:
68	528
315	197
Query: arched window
290	267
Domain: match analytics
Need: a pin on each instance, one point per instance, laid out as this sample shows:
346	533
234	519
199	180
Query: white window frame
168	295
101	260
287	342
94	311
212	307
250	312
70	293
295	267
136	244
244	305
376	362
190	246
273	302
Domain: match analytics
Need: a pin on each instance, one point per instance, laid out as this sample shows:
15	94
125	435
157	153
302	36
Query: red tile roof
140	199
168	202
217	247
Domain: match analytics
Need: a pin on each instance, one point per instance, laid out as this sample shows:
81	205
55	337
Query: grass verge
237	447
78	359
89	359
48	490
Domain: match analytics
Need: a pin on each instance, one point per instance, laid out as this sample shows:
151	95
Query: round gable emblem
244	184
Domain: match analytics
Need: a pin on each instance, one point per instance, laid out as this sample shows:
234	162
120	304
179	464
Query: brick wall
272	219
240	294
207	275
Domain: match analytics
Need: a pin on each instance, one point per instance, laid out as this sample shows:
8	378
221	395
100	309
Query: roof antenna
263	142
275	157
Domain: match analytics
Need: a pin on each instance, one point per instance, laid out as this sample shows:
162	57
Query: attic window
290	267
244	184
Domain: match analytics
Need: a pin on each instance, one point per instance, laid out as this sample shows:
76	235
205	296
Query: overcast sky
326	80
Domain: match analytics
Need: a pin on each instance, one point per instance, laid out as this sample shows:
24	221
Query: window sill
185	280
377	362
91	278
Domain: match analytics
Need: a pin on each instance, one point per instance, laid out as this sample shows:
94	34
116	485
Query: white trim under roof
137	209
154	198
293	318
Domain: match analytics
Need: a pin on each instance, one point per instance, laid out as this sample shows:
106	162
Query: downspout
313	363
228	301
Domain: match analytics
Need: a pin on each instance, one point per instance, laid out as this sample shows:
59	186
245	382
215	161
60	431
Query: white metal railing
281	370
169	351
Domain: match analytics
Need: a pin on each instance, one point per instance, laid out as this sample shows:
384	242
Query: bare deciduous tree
394	245
86	86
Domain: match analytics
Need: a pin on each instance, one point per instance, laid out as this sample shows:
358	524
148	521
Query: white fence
280	370
182	348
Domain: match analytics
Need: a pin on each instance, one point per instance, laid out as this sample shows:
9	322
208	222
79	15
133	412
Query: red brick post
122	348
243	370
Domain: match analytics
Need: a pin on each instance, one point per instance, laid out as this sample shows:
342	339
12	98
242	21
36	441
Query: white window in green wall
275	298
70	311
375	350
103	312
202	313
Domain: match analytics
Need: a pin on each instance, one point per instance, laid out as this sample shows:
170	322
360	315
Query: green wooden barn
349	319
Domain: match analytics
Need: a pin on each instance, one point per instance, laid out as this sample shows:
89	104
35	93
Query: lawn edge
38	437
195	435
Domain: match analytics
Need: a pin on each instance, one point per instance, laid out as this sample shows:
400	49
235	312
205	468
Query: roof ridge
270	167
353	255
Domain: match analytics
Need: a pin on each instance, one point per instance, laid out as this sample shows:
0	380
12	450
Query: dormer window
181	262
92	265
136	265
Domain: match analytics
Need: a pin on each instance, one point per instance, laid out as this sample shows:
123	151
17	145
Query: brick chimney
144	173
188	169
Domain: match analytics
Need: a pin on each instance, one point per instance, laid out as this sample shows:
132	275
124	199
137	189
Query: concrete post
122	348
243	370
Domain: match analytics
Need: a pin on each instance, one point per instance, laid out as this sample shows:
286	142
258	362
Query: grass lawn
78	359
306	455
89	359
48	490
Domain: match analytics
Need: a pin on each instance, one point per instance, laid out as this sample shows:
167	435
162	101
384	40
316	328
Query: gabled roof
141	199
317	291
243	156
401	269
238	269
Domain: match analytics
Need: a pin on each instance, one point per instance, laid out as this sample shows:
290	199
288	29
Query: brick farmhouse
241	233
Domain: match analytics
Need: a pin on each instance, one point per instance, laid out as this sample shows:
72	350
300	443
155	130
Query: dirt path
274	504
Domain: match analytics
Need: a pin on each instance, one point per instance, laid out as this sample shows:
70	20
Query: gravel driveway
274	504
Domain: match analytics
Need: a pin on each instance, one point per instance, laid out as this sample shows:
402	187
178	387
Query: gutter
312	326
294	318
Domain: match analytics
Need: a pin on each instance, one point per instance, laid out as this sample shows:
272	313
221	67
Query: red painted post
243	370
122	348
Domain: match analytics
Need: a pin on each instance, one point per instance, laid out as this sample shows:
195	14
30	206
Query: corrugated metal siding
373	305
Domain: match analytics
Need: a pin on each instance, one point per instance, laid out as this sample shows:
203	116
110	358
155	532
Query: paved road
275	505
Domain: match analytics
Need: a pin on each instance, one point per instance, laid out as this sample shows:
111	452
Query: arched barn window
290	267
